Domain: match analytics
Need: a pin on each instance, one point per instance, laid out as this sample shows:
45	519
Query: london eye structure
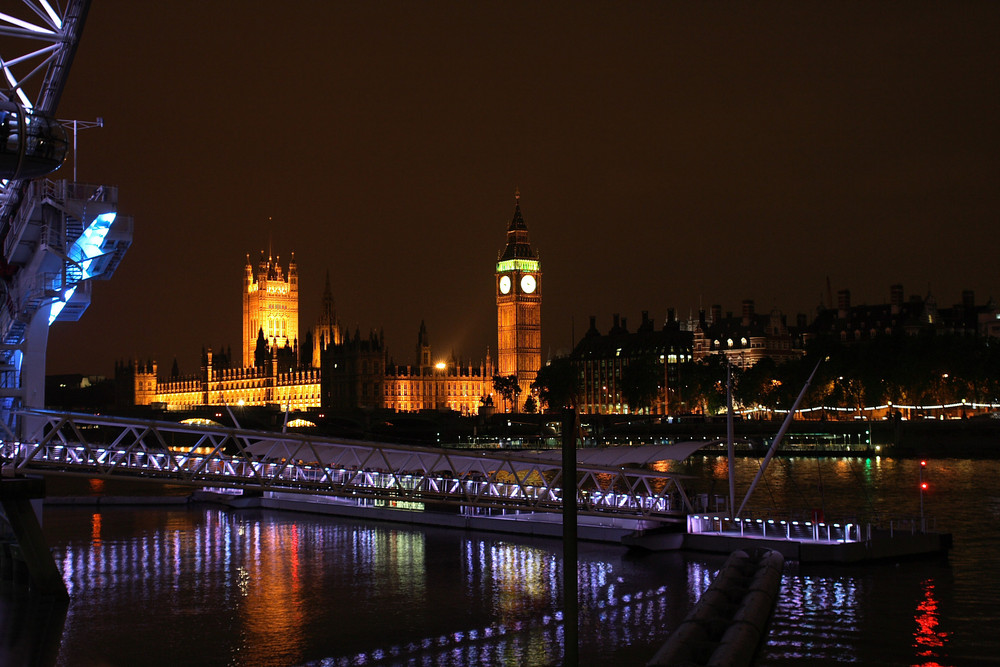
55	235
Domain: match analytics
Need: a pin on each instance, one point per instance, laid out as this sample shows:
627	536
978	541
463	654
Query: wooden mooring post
571	609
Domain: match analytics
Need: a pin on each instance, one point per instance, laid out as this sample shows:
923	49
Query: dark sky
667	155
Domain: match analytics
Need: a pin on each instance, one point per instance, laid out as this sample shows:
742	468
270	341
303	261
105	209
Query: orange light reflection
296	584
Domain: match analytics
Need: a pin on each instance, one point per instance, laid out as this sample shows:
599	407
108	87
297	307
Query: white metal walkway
609	480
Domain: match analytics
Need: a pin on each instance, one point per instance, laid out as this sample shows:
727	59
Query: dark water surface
196	585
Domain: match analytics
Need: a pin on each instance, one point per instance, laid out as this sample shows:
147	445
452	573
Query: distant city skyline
668	156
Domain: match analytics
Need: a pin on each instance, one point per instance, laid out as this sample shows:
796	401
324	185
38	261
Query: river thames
199	585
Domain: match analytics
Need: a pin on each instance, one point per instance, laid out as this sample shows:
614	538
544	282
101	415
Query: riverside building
602	361
746	339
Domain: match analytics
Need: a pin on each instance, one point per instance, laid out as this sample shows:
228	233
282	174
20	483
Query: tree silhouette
558	384
508	388
642	383
924	369
703	384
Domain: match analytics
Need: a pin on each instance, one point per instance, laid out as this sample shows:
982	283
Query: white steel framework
55	235
608	481
38	40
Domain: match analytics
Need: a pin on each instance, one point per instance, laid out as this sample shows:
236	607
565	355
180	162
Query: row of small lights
770	521
887	406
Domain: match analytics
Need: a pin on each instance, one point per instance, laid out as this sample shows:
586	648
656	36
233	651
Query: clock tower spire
519	303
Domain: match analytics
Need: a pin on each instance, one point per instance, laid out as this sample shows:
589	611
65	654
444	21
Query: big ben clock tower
519	306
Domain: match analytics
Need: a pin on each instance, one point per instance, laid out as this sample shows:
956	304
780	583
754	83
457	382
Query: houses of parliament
330	369
326	368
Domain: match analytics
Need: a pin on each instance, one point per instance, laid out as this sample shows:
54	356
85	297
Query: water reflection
95	529
928	640
275	589
817	618
271	602
248	587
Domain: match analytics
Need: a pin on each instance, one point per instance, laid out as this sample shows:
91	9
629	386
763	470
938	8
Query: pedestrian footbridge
625	482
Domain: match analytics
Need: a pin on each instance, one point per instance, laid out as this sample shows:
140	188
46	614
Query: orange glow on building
519	307
344	372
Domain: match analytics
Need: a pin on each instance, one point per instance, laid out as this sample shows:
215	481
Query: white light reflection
525	583
263	568
808	602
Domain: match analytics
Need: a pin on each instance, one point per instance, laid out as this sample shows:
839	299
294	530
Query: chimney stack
747	311
843	303
896	298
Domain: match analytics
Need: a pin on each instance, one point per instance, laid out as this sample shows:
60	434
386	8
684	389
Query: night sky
667	155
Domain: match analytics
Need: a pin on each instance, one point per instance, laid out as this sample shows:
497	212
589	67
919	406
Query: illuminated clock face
528	284
504	284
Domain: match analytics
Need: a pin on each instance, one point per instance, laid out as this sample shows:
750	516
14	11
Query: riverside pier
621	499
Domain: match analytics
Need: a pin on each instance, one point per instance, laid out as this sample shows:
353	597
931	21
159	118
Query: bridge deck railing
221	470
104	446
782	529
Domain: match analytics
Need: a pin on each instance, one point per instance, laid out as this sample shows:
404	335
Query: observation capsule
31	145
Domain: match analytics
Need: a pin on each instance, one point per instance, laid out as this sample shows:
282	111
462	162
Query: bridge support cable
777	439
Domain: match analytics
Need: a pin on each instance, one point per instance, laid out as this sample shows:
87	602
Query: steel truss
54	237
37	45
105	447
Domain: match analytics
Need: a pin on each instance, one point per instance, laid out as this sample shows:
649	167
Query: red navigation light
923	463
923	486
